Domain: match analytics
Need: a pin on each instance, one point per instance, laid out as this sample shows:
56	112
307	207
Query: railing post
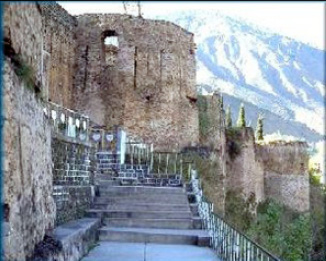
181	169
167	163
152	158
189	171
132	156
175	165
139	155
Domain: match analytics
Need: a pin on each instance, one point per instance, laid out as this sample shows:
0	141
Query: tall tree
228	118
242	117
259	128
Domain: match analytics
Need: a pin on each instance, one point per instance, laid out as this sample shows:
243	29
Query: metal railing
167	168
138	153
228	243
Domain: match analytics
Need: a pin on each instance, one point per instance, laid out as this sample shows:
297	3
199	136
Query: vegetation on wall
209	169
234	143
203	116
238	210
26	74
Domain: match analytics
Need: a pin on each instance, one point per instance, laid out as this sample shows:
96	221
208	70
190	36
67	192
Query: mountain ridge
272	72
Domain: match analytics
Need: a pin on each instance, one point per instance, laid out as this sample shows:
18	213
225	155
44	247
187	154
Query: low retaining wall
69	242
73	170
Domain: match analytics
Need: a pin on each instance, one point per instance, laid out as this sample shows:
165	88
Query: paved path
112	251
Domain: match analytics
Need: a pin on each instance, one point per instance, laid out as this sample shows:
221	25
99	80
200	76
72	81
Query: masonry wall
146	84
212	137
27	190
245	173
286	175
27	168
59	53
73	176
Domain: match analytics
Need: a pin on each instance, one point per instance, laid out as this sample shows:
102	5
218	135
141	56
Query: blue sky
304	21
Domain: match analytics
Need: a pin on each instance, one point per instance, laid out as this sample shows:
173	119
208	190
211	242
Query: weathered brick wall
59	50
27	173
148	82
73	176
286	173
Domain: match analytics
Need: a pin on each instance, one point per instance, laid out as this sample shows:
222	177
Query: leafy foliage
283	232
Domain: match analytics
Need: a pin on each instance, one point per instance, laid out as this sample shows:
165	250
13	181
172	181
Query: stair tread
160	231
152	219
146	187
140	211
143	204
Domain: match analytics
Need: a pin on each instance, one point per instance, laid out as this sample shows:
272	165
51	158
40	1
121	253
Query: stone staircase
108	166
146	214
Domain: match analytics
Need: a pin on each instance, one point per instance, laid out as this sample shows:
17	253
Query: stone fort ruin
73	85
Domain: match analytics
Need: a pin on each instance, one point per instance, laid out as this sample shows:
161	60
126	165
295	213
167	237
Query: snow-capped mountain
271	72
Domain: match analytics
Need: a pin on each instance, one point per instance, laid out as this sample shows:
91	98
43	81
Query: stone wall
286	173
23	36
245	173
146	83
72	202
27	190
27	168
73	176
212	137
59	50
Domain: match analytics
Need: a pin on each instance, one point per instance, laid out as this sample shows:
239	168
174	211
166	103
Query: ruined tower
139	74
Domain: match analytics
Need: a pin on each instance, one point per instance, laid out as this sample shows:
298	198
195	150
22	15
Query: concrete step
154	223
142	198
119	251
121	190
142	207
151	235
139	214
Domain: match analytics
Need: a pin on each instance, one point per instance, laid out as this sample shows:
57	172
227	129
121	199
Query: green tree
242	118
228	117
259	129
